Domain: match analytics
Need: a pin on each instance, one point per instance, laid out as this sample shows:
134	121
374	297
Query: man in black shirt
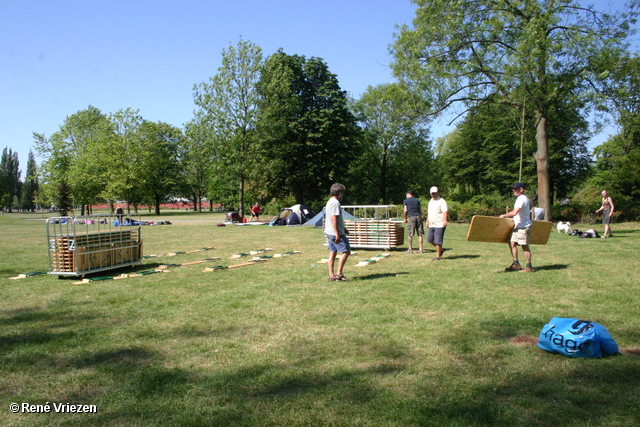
413	218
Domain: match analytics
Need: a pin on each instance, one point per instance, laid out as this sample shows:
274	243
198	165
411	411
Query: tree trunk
542	163
241	202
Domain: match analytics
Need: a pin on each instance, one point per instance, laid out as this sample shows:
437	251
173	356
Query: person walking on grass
413	219
521	215
437	221
607	210
336	232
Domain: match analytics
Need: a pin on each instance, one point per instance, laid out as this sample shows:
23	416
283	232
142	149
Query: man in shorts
437	221
607	209
521	214
413	219
336	232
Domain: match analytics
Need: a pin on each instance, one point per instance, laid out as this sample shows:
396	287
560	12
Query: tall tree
618	159
196	162
159	162
229	102
307	133
30	188
74	159
482	155
123	157
393	123
533	52
9	179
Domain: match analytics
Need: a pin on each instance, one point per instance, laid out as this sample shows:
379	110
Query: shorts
414	223
606	216
436	235
520	236
341	247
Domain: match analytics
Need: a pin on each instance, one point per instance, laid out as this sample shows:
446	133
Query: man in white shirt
437	221
521	215
336	232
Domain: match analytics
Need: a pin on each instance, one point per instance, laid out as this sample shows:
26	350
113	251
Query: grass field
405	342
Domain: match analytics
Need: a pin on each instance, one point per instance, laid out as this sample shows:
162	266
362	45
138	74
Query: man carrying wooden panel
521	215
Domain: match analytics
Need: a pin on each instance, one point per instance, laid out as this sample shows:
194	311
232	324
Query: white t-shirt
523	218
435	212
333	208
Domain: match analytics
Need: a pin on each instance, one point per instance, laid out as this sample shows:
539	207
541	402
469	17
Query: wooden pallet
375	233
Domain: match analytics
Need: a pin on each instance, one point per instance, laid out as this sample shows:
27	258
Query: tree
123	159
618	159
482	155
533	52
159	162
396	152
229	103
30	187
9	178
196	162
74	159
308	135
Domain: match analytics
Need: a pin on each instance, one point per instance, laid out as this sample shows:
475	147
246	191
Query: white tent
318	222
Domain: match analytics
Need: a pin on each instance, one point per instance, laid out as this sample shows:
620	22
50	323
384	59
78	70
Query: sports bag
576	338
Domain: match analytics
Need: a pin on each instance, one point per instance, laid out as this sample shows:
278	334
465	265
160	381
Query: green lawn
405	342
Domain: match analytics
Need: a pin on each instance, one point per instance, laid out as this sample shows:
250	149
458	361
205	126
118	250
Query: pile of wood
92	251
375	233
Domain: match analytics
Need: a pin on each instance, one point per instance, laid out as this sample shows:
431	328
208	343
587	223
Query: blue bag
576	338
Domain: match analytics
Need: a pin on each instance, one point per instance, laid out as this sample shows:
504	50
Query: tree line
525	77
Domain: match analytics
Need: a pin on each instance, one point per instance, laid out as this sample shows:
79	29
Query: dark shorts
606	216
436	235
341	247
414	223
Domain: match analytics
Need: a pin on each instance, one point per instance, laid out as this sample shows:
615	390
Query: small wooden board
498	230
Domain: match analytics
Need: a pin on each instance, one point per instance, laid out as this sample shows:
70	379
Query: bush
276	205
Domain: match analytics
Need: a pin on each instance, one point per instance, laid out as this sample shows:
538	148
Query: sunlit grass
406	341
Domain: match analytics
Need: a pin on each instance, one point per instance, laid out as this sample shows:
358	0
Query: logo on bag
569	345
587	325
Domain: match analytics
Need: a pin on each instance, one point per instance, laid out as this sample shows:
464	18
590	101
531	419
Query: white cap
433	190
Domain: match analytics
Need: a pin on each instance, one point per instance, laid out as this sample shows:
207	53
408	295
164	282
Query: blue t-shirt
413	206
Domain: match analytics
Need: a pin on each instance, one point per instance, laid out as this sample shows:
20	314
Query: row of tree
15	193
280	130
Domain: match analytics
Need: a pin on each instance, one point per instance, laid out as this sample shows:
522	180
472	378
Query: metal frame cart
88	244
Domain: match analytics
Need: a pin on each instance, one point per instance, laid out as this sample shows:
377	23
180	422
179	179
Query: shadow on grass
551	267
379	276
461	257
477	383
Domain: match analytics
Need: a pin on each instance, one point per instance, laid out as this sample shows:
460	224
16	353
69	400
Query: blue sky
60	56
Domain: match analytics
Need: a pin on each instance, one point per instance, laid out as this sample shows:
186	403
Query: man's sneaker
513	267
409	251
526	270
419	251
436	259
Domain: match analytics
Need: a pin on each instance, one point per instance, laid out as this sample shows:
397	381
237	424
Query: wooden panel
498	230
375	233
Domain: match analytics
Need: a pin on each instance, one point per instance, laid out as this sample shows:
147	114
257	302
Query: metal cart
88	244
